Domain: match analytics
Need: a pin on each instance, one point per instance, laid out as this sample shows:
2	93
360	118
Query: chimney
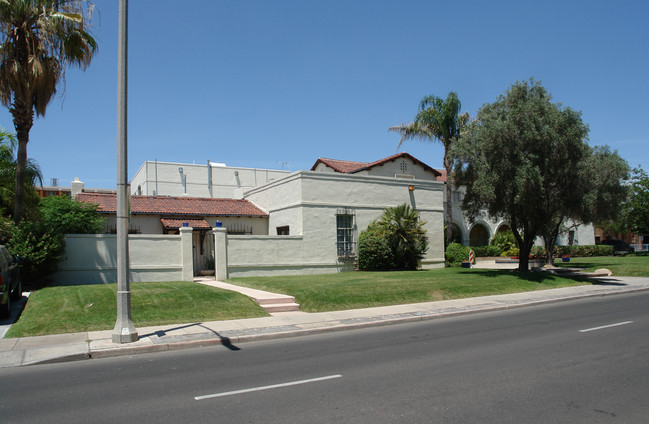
76	187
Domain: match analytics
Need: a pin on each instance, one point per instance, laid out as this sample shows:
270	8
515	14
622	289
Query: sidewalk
98	344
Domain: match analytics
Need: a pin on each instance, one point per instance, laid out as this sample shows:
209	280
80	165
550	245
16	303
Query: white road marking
274	386
605	326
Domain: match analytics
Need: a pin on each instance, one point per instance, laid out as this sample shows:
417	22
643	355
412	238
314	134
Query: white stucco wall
193	181
92	259
308	201
401	167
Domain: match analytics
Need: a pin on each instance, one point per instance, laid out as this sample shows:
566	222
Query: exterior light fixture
411	188
180	170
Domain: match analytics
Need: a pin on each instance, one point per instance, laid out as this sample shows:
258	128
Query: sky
278	84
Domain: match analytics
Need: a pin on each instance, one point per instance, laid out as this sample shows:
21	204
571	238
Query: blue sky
279	84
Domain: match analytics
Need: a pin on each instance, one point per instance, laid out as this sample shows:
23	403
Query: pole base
124	333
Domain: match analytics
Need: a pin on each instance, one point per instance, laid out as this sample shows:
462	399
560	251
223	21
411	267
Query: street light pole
124	331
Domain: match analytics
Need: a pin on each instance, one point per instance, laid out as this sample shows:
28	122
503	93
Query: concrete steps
270	302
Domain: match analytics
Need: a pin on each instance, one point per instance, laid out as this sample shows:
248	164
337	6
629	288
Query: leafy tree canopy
39	39
438	119
68	216
8	146
520	160
637	207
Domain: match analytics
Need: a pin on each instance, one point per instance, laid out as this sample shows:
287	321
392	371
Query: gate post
186	253
220	253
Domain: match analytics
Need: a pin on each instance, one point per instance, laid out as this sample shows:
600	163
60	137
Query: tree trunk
23	121
524	246
524	255
448	166
23	115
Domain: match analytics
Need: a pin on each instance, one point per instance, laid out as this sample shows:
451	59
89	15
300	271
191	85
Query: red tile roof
350	167
342	166
168	205
174	224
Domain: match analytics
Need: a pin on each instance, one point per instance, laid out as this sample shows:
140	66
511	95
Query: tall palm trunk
23	121
448	165
22	112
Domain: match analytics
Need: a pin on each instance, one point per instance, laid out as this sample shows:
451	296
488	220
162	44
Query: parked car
620	247
11	287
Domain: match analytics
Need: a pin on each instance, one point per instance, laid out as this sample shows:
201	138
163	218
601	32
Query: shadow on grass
531	276
585	265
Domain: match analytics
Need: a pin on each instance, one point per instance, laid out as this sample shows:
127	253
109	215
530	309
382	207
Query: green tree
8	145
440	120
596	191
68	216
637	207
519	159
41	243
39	40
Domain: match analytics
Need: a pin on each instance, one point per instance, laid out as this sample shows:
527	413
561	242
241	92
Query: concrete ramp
271	302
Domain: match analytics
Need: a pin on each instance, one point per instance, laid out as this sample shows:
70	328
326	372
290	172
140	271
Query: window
283	231
345	232
404	166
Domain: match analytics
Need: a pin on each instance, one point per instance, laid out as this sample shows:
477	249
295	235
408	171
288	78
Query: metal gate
203	252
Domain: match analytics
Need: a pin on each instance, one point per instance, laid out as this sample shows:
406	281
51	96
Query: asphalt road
582	361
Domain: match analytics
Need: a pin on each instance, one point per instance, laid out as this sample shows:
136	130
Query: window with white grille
345	224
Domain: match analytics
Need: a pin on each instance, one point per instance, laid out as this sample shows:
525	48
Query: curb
372	322
212	339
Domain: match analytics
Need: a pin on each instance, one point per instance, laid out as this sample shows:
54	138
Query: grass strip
331	292
70	309
629	266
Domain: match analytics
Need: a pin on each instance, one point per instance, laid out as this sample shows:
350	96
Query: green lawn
68	309
353	290
629	266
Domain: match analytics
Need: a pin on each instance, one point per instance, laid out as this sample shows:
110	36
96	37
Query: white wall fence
92	258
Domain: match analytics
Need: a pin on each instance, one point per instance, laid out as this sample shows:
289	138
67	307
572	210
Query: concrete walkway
98	344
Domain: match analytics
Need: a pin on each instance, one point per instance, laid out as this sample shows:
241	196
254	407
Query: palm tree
440	120
405	234
33	175
40	38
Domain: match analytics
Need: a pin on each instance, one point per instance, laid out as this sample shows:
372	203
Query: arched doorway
503	228
479	236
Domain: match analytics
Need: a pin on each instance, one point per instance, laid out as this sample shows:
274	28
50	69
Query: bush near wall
374	251
486	251
456	253
583	251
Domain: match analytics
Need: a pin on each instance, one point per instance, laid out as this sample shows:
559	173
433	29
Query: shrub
514	251
39	246
537	252
374	252
583	250
504	240
68	216
486	251
404	231
40	242
456	253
